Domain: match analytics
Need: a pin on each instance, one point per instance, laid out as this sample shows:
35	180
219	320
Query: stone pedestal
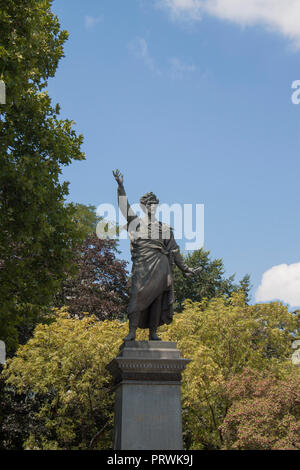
148	396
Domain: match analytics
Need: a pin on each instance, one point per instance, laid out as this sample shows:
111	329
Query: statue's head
149	203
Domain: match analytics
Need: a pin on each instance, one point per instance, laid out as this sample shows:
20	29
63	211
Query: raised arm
124	205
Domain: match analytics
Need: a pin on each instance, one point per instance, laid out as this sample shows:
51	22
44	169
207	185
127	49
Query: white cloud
281	283
139	48
178	68
183	8
282	16
91	21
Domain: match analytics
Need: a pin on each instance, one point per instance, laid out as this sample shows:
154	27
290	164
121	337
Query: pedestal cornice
148	361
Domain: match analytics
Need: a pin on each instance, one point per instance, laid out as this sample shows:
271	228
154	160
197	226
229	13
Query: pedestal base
148	396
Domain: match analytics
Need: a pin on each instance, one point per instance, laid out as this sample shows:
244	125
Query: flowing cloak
154	252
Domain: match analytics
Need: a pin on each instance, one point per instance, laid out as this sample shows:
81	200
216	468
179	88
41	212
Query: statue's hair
149	198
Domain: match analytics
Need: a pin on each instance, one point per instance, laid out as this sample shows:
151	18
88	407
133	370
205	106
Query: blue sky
195	105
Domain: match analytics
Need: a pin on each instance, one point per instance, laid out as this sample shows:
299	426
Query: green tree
74	388
37	233
209	284
64	364
85	218
18	414
223	338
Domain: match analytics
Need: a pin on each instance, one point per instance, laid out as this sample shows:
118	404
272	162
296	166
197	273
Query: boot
131	334
152	335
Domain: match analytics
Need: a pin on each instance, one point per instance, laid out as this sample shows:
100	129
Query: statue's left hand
193	272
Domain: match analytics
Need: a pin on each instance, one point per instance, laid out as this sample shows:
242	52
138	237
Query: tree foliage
86	219
265	412
68	358
64	363
209	284
222	339
37	233
18	415
100	285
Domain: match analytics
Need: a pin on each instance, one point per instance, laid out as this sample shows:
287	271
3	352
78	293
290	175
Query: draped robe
154	252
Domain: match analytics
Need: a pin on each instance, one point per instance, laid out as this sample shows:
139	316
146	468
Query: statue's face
150	209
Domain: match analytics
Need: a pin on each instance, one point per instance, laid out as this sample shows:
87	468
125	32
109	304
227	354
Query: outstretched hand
118	177
193	272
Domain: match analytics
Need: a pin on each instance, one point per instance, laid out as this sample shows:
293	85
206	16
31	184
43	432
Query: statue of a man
154	252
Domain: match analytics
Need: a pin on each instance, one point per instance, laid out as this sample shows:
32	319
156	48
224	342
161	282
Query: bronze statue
154	252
